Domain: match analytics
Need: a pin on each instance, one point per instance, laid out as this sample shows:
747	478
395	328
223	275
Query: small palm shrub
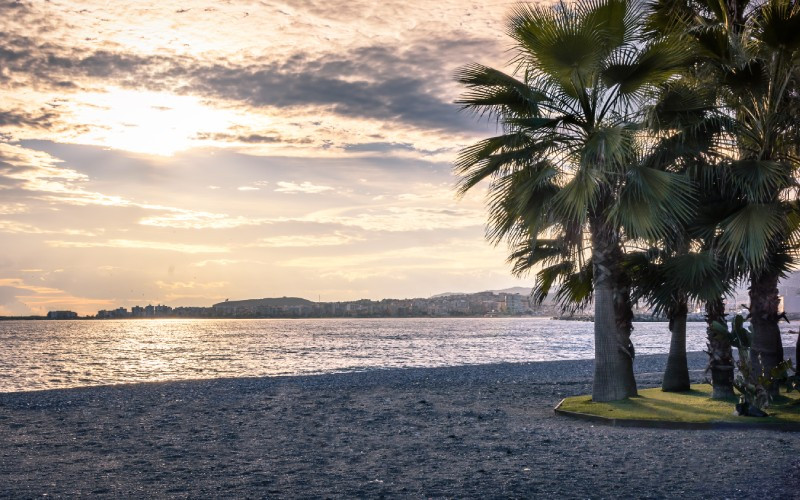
754	388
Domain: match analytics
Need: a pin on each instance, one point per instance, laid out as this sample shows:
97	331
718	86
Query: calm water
58	354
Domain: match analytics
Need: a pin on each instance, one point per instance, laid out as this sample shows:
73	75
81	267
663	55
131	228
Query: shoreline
469	431
573	369
647	367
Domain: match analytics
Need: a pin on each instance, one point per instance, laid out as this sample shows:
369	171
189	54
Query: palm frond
561	43
533	252
751	231
778	25
609	148
759	180
617	20
670	17
577	289
637	70
707	221
745	77
698	274
549	276
653	203
574	200
495	156
492	91
679	104
519	203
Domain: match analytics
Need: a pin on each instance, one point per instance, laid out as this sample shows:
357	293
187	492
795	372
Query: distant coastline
585	318
508	303
419	316
476	305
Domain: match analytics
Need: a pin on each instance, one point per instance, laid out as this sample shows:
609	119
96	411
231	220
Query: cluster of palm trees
648	153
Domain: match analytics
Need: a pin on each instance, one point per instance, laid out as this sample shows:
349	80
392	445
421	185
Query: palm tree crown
566	182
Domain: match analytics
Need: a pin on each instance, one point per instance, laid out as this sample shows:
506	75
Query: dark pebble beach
485	431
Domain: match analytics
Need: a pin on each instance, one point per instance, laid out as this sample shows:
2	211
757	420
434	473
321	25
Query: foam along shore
473	431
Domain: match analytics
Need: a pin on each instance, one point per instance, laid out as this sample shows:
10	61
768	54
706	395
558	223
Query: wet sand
476	431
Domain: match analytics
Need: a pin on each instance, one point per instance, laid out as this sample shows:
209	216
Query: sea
61	354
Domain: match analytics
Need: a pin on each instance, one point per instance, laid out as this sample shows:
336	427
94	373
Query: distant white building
789	290
62	315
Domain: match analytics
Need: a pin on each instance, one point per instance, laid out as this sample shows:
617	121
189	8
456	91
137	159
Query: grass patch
694	406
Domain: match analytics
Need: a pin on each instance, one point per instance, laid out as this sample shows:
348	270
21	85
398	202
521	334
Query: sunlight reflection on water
59	354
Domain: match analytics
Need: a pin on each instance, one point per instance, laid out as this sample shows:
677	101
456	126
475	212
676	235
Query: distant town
482	304
492	303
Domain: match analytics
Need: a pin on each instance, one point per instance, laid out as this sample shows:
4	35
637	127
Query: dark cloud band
373	82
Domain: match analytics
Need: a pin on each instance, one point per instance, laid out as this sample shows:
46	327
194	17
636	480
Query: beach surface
470	431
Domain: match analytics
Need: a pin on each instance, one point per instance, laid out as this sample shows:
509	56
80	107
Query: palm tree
703	24
566	167
749	52
757	78
686	267
762	86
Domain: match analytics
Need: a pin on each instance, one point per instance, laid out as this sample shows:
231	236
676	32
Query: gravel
469	431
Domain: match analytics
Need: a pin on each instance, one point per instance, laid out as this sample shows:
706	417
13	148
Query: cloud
251	138
409	197
223	262
190	285
18	297
402	219
10	305
316	83
304	187
334	239
143	245
457	257
310	93
43	175
12	208
378	147
377	82
191	219
38	171
15	227
383	88
20	118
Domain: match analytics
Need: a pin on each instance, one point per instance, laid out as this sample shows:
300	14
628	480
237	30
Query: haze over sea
61	354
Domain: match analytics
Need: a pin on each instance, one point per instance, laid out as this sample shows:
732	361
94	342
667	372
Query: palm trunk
767	349
613	350
720	353
676	376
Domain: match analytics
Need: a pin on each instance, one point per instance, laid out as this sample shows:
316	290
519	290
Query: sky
186	152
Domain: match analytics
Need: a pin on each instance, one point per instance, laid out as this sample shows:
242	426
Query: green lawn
694	406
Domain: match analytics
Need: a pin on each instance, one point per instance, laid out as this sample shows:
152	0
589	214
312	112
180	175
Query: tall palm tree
749	52
757	78
686	267
704	25
760	90
566	166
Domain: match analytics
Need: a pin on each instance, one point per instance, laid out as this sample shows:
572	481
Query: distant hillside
517	289
269	302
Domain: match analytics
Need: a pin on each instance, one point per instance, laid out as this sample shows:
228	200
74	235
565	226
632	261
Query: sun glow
147	122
